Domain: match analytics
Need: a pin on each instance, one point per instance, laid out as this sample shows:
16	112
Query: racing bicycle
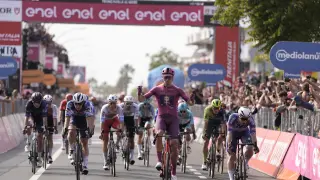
183	151
241	171
126	147
78	155
166	157
112	156
146	147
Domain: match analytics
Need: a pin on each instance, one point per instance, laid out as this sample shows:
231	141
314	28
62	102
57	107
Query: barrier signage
209	73
8	66
296	56
292	75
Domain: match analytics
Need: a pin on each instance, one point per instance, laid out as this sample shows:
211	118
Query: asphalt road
15	166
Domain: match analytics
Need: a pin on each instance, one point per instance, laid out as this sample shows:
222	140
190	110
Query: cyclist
51	122
79	111
241	125
167	95
146	115
214	118
62	108
36	115
130	114
109	117
186	124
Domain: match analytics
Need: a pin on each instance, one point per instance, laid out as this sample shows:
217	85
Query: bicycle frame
183	151
126	149
166	157
78	154
45	148
112	153
241	172
34	146
146	148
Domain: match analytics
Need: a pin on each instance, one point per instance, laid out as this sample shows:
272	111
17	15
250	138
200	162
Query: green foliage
273	20
164	56
134	92
125	77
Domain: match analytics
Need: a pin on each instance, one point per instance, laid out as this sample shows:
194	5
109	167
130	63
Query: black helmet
36	97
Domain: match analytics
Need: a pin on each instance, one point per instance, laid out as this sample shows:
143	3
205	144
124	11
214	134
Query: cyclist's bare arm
55	116
61	115
205	127
229	137
66	122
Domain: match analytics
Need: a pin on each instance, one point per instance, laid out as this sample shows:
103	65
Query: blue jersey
34	112
85	110
234	124
146	110
186	118
93	110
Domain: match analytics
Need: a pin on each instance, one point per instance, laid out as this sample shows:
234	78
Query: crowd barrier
295	121
13	107
11	131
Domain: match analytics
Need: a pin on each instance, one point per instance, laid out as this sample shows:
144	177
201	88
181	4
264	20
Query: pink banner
34	52
304	156
60	68
48	64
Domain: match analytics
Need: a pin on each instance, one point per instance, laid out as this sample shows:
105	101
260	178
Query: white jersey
132	110
108	113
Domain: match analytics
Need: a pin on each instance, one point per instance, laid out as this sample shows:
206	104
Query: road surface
15	166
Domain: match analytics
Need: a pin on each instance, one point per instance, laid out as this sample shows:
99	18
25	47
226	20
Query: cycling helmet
85	97
112	98
183	107
167	71
36	97
79	98
69	97
244	112
48	98
128	99
216	103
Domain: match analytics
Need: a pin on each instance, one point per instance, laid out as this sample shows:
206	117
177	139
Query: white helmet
85	97
244	112
112	98
78	98
128	99
48	98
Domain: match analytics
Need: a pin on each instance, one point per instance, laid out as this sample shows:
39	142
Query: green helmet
216	103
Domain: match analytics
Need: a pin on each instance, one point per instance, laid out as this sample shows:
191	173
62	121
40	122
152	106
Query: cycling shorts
108	123
169	123
143	122
244	136
129	122
79	122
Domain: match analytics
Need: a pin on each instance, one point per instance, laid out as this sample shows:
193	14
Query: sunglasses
129	103
78	104
111	103
183	111
215	108
244	119
36	103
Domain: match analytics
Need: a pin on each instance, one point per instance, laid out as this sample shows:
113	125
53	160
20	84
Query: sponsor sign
78	73
60	68
15	51
11	11
8	66
209	73
34	52
227	51
122	14
292	75
10	33
296	56
48	64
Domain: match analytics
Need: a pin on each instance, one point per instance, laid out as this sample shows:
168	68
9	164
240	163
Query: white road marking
196	172
202	177
42	170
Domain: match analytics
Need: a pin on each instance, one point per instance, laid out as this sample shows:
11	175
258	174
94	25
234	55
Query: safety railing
296	121
16	106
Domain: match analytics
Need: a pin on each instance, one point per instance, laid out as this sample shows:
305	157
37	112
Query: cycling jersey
52	114
63	105
145	110
108	113
132	110
235	126
167	98
36	113
93	110
209	115
85	110
185	120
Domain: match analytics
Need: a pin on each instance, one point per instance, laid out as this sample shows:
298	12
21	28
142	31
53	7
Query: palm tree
125	77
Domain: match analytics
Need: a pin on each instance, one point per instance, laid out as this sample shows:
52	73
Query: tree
125	78
134	92
164	56
273	21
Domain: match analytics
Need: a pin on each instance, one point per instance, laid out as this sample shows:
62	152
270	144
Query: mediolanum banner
11	11
10	33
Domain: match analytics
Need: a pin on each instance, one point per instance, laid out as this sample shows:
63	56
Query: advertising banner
48	64
78	73
34	52
292	75
209	73
296	56
60	68
227	51
10	11
7	50
122	14
10	33
8	66
155	77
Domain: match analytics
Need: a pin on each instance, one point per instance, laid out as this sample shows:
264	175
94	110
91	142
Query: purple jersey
167	98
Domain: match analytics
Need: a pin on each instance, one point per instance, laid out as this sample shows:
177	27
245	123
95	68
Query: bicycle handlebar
245	144
185	133
157	135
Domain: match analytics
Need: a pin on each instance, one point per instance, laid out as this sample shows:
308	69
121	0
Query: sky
103	49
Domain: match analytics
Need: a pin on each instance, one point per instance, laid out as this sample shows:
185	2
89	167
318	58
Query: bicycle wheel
45	154
77	160
184	157
113	160
167	173
243	169
127	160
34	155
146	151
223	150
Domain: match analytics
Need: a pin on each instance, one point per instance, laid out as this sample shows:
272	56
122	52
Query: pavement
15	166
